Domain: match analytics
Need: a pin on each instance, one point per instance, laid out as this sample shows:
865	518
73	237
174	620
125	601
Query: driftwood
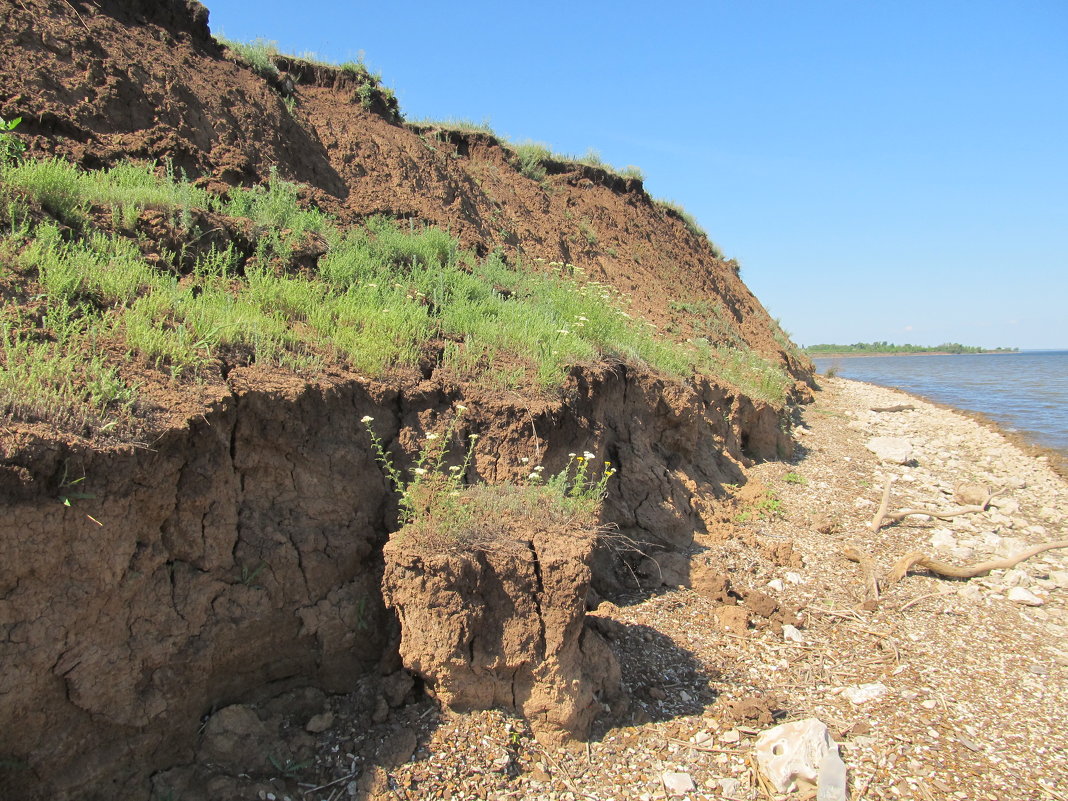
882	519
901	407
918	559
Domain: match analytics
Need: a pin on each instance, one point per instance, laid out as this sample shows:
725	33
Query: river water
1026	393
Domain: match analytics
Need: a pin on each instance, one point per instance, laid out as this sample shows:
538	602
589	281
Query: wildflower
583	319
454	468
534	476
571	456
419	471
431	437
562	331
588	455
460	407
539	468
524	459
366	419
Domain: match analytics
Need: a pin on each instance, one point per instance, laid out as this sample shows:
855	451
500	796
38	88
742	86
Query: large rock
896	450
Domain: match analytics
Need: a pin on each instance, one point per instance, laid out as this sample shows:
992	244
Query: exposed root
918	559
882	519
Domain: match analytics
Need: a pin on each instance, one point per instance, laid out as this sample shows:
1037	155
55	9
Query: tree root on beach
882	519
919	560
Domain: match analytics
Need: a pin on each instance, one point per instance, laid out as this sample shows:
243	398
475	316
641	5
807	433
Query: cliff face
239	552
147	81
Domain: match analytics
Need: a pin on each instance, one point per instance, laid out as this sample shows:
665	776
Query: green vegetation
437	505
259	54
10	146
86	315
768	506
886	347
262	56
690	222
794	478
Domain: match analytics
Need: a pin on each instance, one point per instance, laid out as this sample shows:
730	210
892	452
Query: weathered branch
918	559
882	519
871	581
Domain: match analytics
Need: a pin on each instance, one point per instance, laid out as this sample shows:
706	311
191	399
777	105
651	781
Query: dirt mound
502	625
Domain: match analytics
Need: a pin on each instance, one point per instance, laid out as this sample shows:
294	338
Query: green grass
690	222
383	297
259	54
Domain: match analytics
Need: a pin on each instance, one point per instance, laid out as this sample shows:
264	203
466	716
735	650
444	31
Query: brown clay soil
99	82
967	683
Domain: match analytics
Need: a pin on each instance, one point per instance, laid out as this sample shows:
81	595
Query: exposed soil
108	80
968	683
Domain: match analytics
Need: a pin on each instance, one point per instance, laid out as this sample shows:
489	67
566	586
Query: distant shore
859	354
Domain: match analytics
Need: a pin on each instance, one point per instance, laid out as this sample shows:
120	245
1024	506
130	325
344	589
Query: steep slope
122	79
233	548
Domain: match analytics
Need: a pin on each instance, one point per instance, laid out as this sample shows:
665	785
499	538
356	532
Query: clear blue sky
883	170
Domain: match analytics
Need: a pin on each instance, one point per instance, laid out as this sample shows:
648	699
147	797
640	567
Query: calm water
1022	392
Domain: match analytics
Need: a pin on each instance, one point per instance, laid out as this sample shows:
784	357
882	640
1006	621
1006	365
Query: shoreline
855	355
1057	460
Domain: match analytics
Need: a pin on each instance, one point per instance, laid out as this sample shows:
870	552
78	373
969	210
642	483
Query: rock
1024	597
1015	578
1059	578
236	739
831	783
863	693
730	736
793	752
1007	506
1007	546
896	450
794	578
320	723
943	538
731	788
970	592
396	686
792	633
677	783
967	494
777	585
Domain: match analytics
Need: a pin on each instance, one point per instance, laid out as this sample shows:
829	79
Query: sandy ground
967	678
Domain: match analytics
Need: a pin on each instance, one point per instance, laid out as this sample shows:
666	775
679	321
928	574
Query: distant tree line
887	347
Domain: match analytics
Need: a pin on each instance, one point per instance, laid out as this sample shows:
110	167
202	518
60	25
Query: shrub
11	147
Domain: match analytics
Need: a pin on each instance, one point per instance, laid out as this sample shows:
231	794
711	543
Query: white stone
794	578
1025	597
863	693
943	538
792	751
1007	506
732	788
677	783
792	633
1015	578
896	450
777	585
1007	546
1059	578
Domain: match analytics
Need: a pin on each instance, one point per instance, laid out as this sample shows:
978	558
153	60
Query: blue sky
883	171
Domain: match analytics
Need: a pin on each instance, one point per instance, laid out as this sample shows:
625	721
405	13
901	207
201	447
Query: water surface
1026	393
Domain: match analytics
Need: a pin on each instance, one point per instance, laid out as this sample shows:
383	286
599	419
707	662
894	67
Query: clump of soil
503	625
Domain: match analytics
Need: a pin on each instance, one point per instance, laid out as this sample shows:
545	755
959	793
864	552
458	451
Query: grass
438	507
259	54
88	310
690	222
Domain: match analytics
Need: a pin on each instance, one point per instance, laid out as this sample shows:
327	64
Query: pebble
730	736
678	783
777	585
863	693
1059	578
795	578
792	633
1025	597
